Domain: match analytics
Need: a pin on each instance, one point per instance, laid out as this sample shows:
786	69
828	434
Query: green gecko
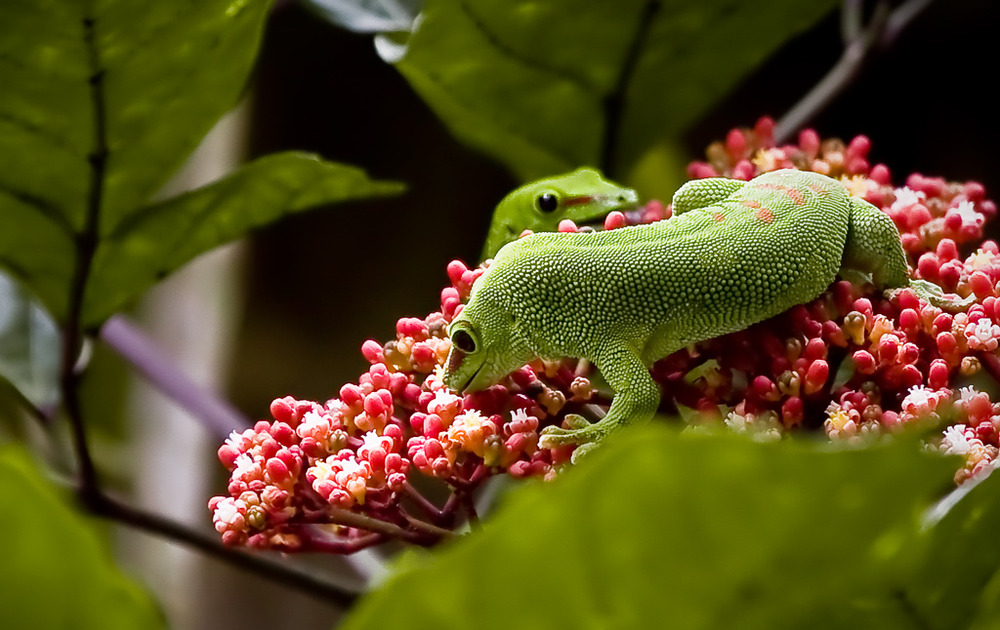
539	206
735	253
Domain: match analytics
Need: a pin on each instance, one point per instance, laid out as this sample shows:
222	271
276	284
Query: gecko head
485	347
580	196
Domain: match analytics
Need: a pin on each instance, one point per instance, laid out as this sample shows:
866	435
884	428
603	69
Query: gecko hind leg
699	193
873	246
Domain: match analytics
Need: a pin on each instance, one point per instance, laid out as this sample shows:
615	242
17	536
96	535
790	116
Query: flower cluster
859	361
853	363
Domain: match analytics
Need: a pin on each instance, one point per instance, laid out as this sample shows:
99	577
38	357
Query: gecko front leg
636	399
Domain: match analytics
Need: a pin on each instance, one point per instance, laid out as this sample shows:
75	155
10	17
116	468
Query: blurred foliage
58	572
546	87
660	530
98	111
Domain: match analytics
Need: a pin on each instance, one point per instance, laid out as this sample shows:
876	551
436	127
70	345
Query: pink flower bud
792	412
909	320
227	455
282	409
929	266
947	250
816	376
615	220
743	170
283	434
911	376
942	323
980	284
277	470
567	226
455	270
946	343
809	142
372	351
700	170
880	174
937	374
864	362
433	449
736	144
441	468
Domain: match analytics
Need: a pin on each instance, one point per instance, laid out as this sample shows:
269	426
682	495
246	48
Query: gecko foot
580	432
935	296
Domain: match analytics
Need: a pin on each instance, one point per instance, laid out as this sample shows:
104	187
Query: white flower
958	440
239	440
967	211
244	465
518	414
920	399
983	334
905	197
966	393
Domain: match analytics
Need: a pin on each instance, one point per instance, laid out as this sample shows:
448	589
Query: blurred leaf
29	346
960	573
368	16
137	84
56	572
140	81
535	84
166	235
144	80
680	532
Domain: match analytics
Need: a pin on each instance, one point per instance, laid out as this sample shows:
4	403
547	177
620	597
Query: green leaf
164	236
29	346
537	85
56	571
100	103
660	531
960	571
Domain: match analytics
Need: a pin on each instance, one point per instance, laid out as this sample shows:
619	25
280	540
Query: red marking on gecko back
819	190
792	193
718	216
751	203
765	215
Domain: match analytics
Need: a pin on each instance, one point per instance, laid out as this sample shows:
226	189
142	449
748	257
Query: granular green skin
581	195
734	254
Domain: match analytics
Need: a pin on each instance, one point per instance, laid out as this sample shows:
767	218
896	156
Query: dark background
319	284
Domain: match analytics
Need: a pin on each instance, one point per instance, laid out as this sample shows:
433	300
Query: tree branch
214	412
882	31
279	572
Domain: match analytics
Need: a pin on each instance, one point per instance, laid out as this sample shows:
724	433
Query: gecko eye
463	341
547	202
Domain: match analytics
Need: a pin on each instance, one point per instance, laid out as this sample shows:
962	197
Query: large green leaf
658	531
537	84
101	101
959	574
56	572
166	235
